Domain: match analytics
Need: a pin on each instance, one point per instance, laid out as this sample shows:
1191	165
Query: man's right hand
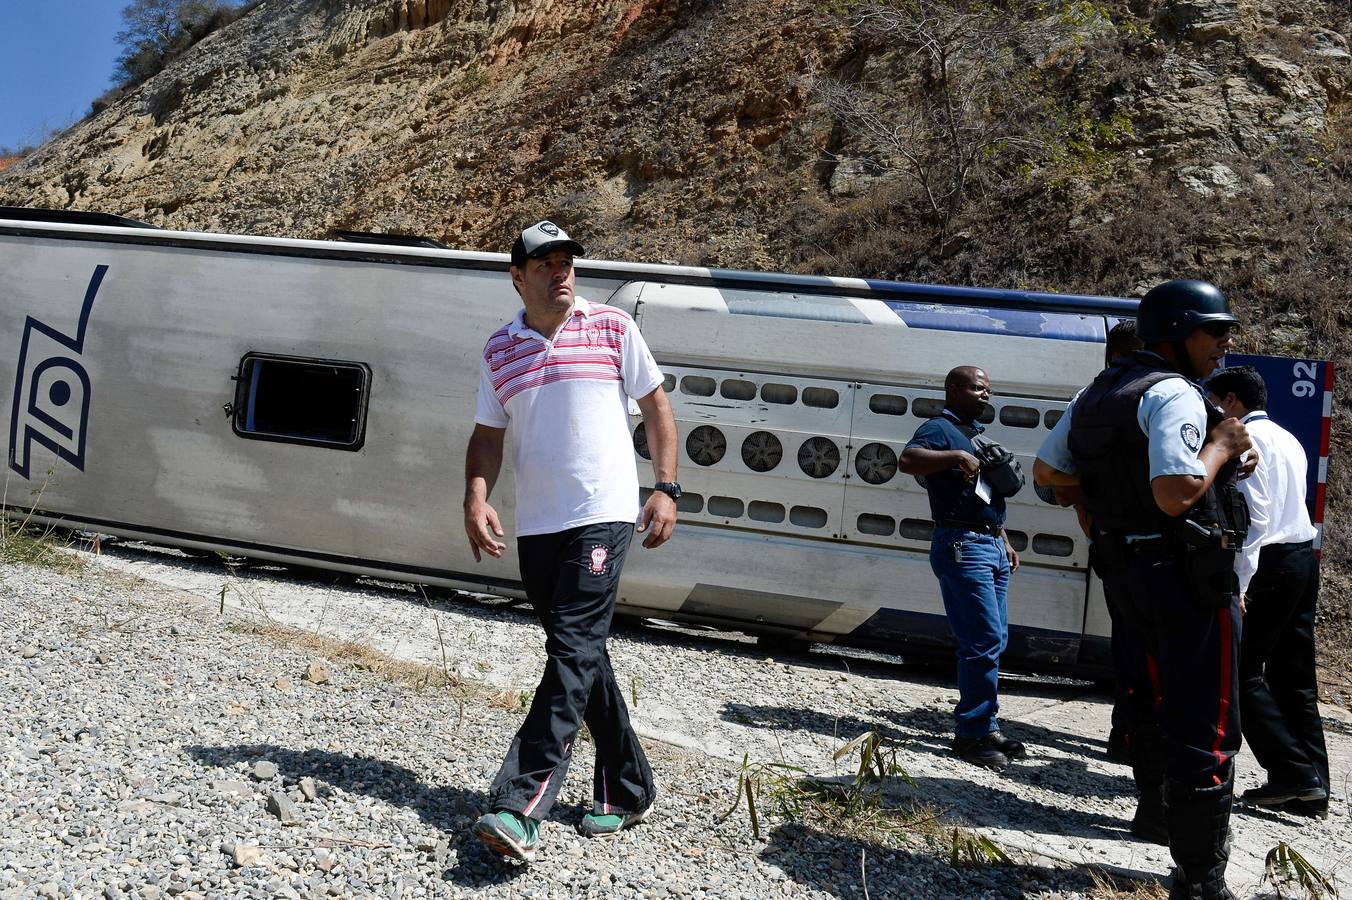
970	465
483	529
1231	437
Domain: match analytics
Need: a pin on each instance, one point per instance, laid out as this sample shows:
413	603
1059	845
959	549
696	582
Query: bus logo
51	390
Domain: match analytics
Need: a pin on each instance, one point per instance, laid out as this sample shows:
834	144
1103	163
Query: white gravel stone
140	774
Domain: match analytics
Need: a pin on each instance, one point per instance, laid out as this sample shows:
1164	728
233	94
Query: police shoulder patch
1191	435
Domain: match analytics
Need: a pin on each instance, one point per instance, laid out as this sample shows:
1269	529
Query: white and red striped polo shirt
565	405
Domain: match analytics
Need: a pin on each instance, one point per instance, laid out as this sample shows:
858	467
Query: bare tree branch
957	96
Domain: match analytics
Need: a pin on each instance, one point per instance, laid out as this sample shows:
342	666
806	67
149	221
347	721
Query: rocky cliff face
1129	140
661	128
636	122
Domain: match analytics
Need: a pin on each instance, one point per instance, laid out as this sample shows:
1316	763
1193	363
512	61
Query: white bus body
128	357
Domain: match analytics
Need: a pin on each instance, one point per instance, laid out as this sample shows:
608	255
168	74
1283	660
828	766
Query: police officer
1157	467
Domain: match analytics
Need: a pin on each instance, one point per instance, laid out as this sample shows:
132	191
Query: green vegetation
474	77
24	541
21	541
972	849
852	805
155	32
1287	870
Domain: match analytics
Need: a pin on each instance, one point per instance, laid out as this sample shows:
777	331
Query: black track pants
571	578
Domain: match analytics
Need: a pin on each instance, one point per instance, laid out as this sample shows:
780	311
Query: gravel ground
152	746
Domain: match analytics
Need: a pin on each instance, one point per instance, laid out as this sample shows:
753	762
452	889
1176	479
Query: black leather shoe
1010	748
980	752
1276	795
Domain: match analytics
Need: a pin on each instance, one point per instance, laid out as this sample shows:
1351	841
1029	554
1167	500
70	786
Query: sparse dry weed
360	656
1110	887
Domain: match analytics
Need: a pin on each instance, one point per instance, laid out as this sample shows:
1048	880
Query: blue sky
56	56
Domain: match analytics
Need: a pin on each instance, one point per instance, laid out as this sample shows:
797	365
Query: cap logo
550	229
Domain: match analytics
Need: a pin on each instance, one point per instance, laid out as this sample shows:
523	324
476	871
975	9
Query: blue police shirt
952	496
1172	414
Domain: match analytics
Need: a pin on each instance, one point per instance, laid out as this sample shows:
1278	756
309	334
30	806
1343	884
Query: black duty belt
978	527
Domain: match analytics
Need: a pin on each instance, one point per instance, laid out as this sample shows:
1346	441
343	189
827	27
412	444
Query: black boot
1147	768
1199	838
1149	823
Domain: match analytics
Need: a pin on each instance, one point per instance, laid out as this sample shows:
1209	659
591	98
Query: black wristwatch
670	488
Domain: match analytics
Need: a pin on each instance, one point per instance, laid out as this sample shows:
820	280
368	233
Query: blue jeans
973	573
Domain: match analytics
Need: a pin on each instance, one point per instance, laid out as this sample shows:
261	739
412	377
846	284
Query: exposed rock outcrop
666	129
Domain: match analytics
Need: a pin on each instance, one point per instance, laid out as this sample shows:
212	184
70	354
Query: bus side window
317	402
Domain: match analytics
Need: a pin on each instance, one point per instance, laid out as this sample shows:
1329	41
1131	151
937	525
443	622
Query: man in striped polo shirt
558	378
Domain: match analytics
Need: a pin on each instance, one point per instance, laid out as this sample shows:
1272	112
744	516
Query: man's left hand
1247	463
658	519
1013	557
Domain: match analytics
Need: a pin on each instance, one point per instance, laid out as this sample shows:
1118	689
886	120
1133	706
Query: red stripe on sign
1325	429
1328	376
1319	521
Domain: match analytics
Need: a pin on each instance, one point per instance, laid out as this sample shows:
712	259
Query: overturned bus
309	402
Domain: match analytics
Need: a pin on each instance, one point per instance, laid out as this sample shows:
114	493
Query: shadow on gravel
844	727
930	731
924	730
845	867
448	808
961	802
980	804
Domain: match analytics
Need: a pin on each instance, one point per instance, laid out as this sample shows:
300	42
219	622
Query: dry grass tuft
1106	887
853	806
22	541
511	698
360	656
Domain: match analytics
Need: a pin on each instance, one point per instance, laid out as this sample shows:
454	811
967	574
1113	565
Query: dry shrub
1278	249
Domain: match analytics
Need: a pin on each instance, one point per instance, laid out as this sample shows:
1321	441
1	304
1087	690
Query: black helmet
1173	310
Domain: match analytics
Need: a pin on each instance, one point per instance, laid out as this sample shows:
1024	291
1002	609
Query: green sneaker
509	833
607	824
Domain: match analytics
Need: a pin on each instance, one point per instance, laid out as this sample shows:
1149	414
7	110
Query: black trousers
1278	692
571	578
1135	688
1188	675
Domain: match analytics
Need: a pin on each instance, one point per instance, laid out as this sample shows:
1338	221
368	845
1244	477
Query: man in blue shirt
972	559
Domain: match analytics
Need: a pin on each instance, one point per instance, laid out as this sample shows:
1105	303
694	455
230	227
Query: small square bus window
301	401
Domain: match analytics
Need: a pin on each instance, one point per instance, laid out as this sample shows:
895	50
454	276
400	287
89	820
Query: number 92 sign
1300	399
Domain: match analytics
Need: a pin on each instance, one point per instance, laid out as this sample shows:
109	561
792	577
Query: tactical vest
1112	459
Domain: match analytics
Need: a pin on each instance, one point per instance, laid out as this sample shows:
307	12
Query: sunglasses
1217	329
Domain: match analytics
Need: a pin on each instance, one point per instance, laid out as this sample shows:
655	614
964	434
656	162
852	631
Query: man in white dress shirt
1279	579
